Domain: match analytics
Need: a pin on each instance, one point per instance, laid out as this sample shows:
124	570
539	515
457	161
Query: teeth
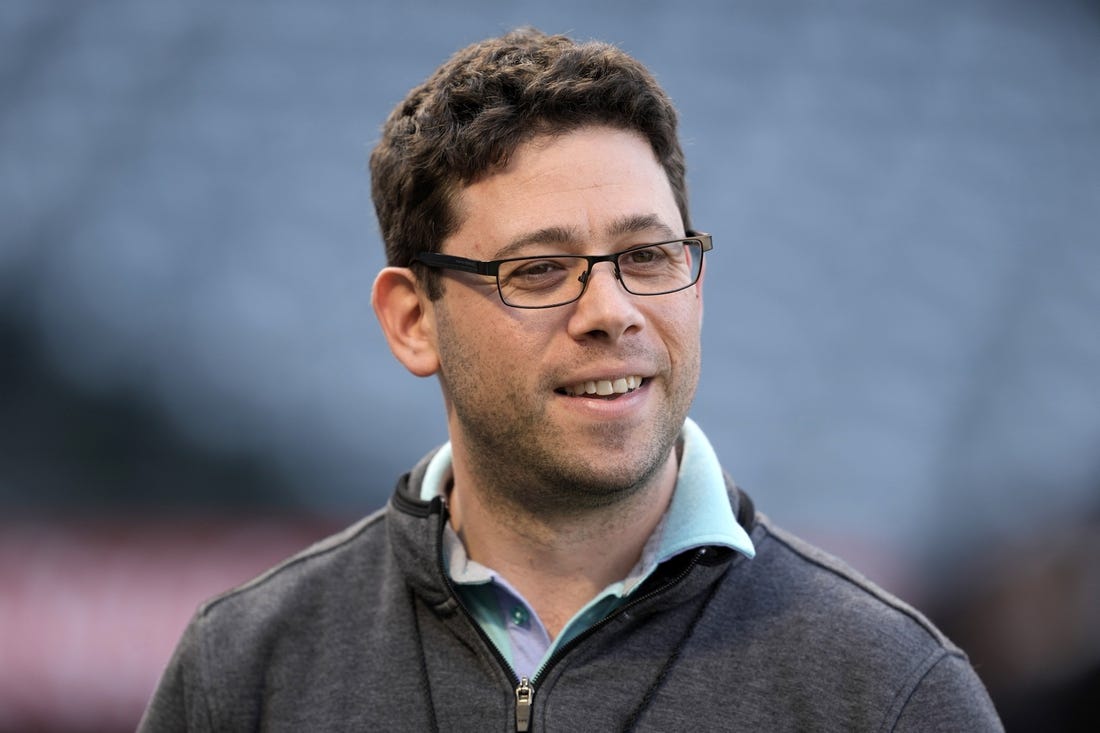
606	387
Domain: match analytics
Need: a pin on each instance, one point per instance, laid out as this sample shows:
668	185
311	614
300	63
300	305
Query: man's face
508	374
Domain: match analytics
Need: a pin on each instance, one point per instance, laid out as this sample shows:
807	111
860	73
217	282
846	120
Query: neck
558	562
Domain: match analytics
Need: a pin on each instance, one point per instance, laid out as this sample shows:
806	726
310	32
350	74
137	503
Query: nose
605	310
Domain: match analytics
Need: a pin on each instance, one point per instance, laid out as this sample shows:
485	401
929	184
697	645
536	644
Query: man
574	558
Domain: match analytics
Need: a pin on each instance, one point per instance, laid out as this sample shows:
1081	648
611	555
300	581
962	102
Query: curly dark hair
469	117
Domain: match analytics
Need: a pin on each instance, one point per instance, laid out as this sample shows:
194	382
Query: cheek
682	325
483	346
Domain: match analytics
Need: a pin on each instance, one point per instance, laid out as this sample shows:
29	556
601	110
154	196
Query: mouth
609	388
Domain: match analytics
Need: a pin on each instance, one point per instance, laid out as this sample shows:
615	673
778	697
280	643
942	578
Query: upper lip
611	373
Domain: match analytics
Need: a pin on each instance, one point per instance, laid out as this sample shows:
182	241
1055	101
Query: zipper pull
525	694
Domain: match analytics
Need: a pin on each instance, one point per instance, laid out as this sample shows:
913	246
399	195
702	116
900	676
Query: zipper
525	691
525	695
524	687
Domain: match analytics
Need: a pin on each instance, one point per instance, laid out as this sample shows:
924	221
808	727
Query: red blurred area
90	611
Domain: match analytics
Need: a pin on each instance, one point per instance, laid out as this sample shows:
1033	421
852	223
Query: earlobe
404	312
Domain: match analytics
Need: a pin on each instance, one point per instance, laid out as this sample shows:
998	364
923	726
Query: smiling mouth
603	387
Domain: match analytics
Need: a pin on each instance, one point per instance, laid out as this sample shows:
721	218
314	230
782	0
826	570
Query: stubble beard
521	468
524	464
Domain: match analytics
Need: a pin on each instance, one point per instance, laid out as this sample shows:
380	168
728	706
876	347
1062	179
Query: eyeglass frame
491	268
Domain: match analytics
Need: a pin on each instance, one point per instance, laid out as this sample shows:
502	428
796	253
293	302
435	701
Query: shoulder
833	581
807	610
836	646
823	584
330	573
239	641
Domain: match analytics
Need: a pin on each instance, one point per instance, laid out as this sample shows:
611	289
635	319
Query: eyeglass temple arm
451	262
704	239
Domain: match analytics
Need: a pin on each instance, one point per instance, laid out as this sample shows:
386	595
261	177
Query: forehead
591	186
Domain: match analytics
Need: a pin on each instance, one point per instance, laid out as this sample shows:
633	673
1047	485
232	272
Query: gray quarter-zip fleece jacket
363	632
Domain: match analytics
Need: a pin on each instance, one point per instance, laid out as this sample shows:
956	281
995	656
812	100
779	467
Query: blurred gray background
902	349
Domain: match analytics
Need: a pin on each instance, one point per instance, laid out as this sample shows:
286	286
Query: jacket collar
415	526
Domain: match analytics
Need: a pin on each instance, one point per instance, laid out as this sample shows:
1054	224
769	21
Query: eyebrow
635	223
630	224
546	235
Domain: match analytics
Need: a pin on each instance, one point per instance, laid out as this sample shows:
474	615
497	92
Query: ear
407	319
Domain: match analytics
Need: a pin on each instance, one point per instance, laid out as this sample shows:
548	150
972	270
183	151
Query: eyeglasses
546	281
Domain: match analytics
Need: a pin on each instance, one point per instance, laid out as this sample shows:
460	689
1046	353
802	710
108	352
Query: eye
534	274
643	256
646	259
536	269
